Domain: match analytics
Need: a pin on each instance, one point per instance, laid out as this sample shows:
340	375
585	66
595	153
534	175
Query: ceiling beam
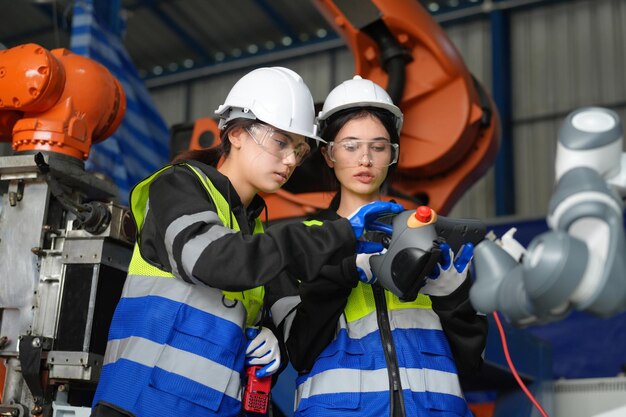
279	22
294	51
182	34
484	8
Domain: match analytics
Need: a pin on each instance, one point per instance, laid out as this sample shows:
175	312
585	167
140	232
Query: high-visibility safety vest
382	339
174	348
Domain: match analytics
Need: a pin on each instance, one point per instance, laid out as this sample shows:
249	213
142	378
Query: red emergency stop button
423	214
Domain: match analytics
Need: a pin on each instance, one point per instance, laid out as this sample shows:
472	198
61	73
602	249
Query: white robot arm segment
580	262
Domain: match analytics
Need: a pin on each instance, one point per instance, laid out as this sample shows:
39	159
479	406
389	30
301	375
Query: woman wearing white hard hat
178	340
358	348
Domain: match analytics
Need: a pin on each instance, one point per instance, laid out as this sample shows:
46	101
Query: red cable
515	374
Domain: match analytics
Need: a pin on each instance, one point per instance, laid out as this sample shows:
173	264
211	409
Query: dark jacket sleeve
465	329
184	235
236	262
312	321
322	303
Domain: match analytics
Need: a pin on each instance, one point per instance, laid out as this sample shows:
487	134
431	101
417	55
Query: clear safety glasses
353	152
277	143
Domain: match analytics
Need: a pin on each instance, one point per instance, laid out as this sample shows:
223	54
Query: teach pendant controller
413	249
412	254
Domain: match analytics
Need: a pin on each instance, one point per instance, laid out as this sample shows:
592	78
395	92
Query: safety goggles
278	143
352	152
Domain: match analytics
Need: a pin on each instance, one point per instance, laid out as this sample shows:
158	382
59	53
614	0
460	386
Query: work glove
262	349
363	268
365	217
448	275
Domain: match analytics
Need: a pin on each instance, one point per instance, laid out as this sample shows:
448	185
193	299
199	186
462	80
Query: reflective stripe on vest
351	373
180	343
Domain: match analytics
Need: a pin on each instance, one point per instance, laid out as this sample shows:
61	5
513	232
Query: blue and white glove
262	349
448	275
363	268
365	217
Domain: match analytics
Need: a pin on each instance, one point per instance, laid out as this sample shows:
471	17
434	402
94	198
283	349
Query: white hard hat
276	96
358	92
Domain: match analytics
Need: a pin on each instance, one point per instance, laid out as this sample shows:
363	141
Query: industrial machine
578	264
65	246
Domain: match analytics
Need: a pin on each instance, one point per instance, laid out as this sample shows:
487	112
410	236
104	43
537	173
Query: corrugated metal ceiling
169	36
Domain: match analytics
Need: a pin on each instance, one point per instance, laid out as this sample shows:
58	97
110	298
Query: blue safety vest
174	348
350	377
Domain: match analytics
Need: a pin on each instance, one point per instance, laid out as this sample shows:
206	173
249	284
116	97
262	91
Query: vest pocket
440	381
334	383
200	366
193	377
436	355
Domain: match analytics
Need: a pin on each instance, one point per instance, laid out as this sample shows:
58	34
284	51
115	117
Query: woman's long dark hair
211	156
337	121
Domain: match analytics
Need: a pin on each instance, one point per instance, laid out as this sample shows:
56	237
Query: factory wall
563	56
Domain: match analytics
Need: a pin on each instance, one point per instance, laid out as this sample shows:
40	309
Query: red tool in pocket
256	396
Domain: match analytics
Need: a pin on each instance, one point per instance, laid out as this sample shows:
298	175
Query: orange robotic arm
56	101
450	134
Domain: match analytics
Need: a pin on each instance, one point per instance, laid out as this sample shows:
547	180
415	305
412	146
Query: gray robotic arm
578	264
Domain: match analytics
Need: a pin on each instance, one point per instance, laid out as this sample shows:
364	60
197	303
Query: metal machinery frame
60	284
64	245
